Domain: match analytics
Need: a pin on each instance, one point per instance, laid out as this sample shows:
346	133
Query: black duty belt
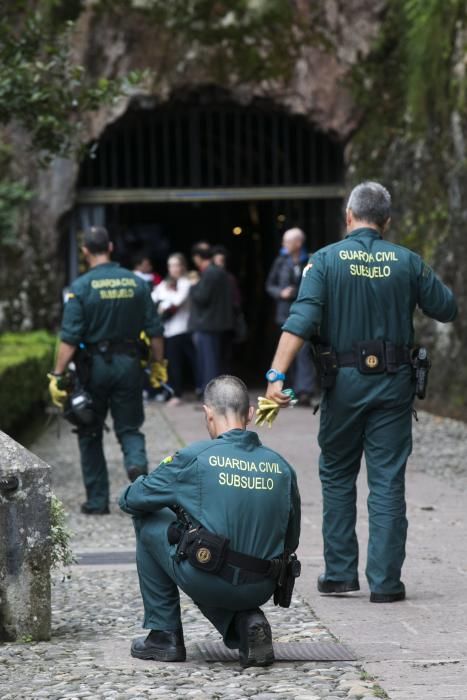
211	553
114	347
375	357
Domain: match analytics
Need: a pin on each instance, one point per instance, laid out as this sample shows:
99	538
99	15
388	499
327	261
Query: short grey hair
370	201
96	240
227	394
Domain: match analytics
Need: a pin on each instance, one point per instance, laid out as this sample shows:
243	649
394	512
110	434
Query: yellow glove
145	349
58	396
158	374
266	412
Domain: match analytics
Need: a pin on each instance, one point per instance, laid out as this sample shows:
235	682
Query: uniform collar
365	231
247	438
111	263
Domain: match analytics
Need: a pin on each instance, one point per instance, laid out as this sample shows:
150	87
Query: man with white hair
282	285
359	295
238	510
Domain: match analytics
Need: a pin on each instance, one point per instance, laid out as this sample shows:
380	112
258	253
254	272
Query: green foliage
25	359
408	89
429	43
62	554
41	87
43	90
379	692
407	82
365	676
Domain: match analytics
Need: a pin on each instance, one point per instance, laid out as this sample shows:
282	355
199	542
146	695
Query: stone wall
25	544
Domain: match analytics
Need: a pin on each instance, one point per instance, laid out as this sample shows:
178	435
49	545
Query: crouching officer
106	310
232	546
360	295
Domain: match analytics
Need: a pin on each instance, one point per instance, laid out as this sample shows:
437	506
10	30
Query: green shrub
25	359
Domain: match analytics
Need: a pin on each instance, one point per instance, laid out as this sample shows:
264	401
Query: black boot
255	646
388	597
87	510
160	646
329	587
135	472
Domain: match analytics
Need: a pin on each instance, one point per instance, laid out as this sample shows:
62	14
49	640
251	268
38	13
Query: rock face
25	544
110	45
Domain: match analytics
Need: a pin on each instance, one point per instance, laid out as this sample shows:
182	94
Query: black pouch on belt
207	551
370	356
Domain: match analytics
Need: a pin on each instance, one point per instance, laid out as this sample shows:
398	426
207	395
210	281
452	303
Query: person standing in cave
211	315
172	299
282	285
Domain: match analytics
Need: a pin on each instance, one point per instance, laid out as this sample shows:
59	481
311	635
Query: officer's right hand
159	374
274	393
58	395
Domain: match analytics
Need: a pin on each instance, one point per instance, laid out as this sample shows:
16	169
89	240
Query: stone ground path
416	649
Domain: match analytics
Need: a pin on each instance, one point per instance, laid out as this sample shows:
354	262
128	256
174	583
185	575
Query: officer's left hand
158	374
57	394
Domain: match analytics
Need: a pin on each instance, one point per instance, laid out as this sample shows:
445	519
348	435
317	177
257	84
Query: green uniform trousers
160	577
117	385
370	415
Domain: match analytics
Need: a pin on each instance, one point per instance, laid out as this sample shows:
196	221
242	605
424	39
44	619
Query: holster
291	570
325	360
421	365
83	362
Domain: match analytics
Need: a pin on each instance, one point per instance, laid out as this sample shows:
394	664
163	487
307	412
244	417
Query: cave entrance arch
203	166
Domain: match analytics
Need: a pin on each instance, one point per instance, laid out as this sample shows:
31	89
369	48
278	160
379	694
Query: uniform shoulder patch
69	295
307	268
167	460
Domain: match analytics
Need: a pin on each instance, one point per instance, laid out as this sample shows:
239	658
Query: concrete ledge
25	544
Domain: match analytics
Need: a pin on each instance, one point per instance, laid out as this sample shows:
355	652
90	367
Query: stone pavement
416	649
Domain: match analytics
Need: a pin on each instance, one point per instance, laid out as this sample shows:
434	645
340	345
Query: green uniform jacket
366	288
232	485
109	303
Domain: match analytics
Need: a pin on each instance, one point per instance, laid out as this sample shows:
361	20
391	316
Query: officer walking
244	498
359	296
106	310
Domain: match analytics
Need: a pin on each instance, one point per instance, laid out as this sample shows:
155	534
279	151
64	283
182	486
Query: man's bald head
293	240
293	234
227	395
